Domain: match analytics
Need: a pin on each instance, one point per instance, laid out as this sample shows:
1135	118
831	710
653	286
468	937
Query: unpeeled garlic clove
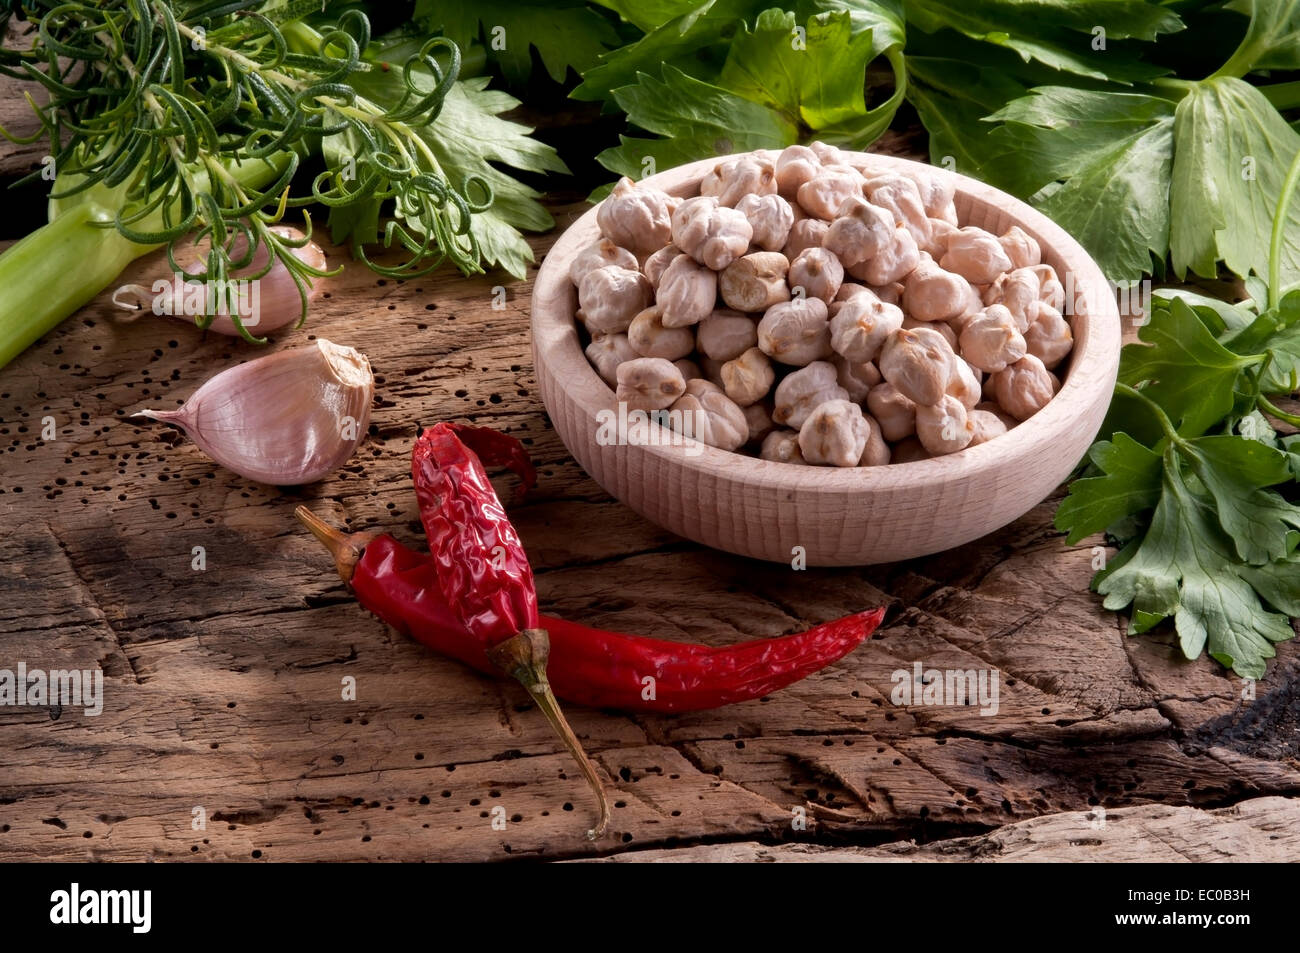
265	304
286	419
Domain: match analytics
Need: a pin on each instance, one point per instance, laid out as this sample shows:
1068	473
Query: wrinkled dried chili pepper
473	598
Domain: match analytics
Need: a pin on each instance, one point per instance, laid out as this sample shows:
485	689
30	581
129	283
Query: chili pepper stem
524	658
346	548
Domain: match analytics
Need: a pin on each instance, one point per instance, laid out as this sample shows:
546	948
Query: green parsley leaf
1184	369
649	14
1291	446
469	139
1183	568
1231	153
1100	163
565	34
671	42
1219	316
1041	30
1234	472
1272	40
952	97
358	222
884	18
1130	484
1121	19
816	78
698	120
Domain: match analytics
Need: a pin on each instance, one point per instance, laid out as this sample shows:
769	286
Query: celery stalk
63	265
55	270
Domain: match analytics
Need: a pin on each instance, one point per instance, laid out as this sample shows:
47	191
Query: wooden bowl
848	516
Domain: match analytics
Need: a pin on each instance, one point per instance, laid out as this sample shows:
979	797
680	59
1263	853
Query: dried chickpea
891	293
771	218
606	352
1049	337
689	369
972	306
649	383
716	420
712	234
943	327
1021	248
687	292
900	196
759	418
848	290
781	446
1024	388
920	363
834	434
876	452
824	194
944	427
733	179
599	254
755	282
895	413
965	385
658	263
803	390
896	260
991	407
636	217
861	325
1017	291
805	233
940	232
936	193
712	370
725	335
610	297
748	378
908	450
818	272
976	255
932	294
991	340
795	166
828	154
859	232
796	332
985	426
1050	289
856	378
649	337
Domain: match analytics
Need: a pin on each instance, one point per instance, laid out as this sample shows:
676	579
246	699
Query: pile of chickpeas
817	310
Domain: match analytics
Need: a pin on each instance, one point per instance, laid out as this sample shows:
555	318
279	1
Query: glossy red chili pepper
473	598
603	669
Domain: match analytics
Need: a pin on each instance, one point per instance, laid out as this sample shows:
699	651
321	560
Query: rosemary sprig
157	109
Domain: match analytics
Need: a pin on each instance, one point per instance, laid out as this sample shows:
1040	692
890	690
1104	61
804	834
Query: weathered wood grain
223	686
1262	829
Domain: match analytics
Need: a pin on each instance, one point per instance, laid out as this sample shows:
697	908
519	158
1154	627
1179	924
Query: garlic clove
264	304
286	419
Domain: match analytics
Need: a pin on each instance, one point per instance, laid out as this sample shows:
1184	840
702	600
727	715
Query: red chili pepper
473	598
602	669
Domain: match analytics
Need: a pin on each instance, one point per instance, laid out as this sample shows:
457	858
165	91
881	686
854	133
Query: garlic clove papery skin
272	299
286	419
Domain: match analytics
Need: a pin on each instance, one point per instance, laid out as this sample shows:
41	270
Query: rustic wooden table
223	686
